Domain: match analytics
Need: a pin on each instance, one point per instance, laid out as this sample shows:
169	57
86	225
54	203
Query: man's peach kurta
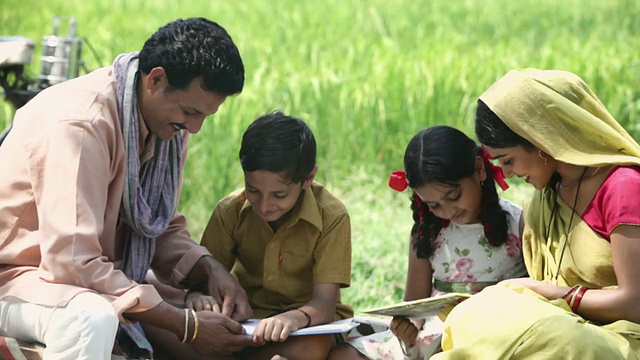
61	182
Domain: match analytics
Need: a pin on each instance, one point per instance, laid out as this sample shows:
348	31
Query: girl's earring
542	157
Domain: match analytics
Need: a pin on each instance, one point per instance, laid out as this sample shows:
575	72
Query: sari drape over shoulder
558	113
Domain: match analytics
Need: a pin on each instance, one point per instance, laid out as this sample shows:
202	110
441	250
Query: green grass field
366	75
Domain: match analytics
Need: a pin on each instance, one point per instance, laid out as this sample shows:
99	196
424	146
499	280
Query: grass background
366	76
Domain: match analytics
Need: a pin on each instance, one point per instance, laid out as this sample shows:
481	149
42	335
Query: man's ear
155	80
480	168
310	178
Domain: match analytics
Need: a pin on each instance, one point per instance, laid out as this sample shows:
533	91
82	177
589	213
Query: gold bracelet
186	325
195	331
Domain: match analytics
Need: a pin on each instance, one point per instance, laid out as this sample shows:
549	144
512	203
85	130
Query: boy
285	237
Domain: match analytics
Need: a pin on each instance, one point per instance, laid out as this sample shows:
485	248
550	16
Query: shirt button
271	245
270	277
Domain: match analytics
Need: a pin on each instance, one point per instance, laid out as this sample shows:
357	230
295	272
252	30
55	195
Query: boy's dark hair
278	143
445	155
194	47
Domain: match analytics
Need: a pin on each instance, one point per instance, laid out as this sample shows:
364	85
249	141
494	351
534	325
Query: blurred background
366	76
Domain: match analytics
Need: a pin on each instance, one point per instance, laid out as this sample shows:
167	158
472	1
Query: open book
336	327
420	308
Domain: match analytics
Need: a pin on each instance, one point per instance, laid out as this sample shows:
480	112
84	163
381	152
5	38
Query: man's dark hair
278	143
194	47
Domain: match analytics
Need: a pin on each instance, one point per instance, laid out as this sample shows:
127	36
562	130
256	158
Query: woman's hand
526	282
276	328
549	291
404	330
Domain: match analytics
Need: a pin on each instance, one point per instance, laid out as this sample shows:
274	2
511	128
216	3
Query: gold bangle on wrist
196	323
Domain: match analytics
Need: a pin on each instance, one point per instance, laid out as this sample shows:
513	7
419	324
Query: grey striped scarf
150	193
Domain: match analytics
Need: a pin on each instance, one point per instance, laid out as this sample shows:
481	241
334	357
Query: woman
581	242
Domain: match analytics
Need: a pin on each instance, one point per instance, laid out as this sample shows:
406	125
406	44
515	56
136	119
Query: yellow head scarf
557	112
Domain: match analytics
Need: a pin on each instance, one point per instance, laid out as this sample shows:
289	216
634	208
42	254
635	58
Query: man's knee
85	328
94	311
87	315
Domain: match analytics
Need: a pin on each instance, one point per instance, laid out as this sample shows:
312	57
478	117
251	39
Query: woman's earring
542	157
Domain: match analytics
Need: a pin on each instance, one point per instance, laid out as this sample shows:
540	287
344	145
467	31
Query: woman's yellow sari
557	112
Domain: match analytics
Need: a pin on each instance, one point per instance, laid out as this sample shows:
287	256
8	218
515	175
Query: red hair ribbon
498	175
398	181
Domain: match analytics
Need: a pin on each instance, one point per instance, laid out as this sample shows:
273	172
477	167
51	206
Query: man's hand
223	288
219	335
404	330
198	301
228	293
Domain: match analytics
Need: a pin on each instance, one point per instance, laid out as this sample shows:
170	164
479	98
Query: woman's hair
492	131
445	155
278	143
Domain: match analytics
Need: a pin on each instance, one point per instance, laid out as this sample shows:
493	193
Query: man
90	181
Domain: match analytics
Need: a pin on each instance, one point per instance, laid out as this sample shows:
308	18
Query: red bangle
578	298
569	293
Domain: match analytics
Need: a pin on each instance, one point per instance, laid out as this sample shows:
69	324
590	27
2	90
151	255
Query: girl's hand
276	328
199	302
404	330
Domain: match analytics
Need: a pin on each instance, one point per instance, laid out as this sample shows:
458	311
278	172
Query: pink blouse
61	183
616	202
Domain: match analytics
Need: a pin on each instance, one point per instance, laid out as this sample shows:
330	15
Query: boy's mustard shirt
278	270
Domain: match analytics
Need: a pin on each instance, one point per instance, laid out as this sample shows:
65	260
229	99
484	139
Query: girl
464	238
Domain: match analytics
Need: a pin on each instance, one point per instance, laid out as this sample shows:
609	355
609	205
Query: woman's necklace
573	211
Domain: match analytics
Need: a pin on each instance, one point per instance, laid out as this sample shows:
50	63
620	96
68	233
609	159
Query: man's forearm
164	316
204	269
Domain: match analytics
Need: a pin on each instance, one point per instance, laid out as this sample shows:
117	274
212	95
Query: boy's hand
404	330
276	328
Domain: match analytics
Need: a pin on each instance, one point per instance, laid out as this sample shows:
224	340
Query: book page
419	308
336	327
